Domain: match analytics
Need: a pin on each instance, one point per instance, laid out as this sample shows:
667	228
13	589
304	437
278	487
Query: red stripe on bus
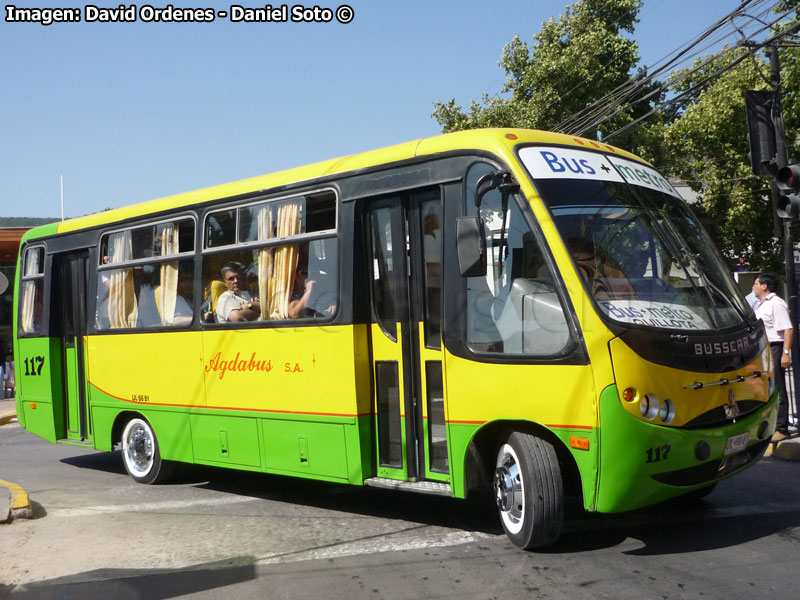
588	427
299	412
286	412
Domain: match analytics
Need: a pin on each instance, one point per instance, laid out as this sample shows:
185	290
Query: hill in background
26	221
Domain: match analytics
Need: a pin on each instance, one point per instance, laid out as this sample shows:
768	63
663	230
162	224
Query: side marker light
580	443
33	405
629	394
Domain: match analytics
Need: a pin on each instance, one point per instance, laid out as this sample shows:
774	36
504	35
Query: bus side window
32	304
515	308
132	294
258	256
287	281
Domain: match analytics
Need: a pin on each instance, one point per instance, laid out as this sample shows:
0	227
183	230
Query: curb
19	506
786	450
7	418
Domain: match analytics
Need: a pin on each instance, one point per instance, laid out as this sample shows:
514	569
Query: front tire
140	453
529	491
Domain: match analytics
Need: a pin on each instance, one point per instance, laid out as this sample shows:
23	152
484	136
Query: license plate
736	443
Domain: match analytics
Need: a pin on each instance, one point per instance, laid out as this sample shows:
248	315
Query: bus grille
716	416
704	364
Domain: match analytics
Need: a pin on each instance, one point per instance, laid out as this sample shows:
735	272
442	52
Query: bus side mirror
471	246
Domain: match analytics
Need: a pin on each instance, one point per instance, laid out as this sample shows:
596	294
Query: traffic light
760	131
788	180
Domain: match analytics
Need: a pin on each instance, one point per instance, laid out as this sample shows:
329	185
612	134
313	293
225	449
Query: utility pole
782	159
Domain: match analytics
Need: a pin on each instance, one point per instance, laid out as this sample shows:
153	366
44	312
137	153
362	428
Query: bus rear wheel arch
141	455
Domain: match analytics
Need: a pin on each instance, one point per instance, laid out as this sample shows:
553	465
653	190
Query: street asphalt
15	503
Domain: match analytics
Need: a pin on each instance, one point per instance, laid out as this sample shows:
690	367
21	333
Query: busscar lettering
43	16
731	347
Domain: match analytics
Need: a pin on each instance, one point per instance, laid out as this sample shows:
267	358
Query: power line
700	85
617	101
611	110
616	108
633	84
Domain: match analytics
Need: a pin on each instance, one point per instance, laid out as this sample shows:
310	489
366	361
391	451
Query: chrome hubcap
508	489
139	449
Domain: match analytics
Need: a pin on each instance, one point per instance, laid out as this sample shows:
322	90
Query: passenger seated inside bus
303	294
183	302
175	304
236	304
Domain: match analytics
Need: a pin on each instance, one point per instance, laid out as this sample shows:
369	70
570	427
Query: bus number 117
658	453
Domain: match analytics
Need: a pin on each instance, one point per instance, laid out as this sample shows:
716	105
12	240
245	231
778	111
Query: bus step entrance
422	487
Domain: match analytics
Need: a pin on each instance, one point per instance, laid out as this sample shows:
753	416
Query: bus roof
499	141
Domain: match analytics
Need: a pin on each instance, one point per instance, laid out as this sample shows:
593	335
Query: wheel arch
119	424
482	449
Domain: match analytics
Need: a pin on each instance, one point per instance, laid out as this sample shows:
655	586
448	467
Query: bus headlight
667	411
649	406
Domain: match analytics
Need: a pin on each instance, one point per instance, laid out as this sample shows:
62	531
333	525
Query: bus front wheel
529	491
141	455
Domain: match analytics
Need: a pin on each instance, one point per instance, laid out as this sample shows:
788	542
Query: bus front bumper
643	463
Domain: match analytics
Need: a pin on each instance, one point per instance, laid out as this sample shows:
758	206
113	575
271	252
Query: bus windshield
642	254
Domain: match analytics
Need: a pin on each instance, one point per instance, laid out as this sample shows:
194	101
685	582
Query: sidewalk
14	501
8	411
788	449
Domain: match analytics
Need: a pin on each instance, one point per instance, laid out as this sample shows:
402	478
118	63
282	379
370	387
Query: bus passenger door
68	315
404	245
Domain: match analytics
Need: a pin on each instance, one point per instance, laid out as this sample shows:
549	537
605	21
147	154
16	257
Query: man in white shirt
774	313
236	304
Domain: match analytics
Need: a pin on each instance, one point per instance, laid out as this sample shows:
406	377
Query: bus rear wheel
529	491
140	453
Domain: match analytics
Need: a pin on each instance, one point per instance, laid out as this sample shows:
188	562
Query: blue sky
128	112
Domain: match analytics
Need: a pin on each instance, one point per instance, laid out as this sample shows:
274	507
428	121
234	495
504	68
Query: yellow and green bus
518	313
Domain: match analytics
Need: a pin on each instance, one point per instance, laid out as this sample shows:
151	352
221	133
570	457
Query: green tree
573	62
704	142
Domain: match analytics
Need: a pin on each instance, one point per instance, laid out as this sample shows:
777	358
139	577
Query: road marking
385	542
147	506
